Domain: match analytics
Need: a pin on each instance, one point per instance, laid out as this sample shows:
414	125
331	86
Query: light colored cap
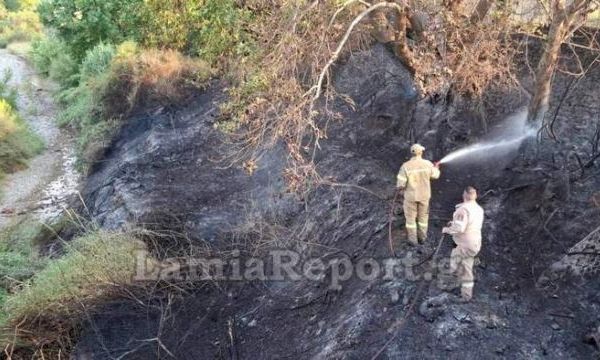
417	149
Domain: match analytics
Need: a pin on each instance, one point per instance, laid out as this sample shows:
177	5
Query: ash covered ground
164	171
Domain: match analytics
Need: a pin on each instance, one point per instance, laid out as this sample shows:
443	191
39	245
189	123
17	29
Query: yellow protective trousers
416	214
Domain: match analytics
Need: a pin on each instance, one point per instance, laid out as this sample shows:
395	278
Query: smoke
503	140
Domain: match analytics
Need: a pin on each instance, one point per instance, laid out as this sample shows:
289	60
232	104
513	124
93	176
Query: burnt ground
162	172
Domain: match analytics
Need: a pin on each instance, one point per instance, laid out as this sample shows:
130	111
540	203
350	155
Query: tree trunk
559	28
564	22
481	10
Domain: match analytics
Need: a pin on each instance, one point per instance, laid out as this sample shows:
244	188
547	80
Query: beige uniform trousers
416	214
461	264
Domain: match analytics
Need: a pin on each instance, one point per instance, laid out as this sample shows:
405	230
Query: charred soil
165	170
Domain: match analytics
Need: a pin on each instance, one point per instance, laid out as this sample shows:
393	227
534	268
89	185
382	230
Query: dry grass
47	309
153	77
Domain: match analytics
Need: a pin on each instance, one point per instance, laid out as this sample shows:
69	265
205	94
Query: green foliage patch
17	142
18	22
44	51
83	24
48	305
210	29
19	254
97	61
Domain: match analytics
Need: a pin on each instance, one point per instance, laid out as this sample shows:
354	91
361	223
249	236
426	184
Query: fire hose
396	327
391	221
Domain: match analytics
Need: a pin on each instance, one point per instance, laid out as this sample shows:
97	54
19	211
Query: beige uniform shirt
466	225
415	176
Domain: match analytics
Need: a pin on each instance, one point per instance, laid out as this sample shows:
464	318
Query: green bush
17	142
81	106
17	147
126	50
19	243
170	24
92	267
64	70
85	23
19	26
44	51
7	92
51	57
97	61
208	28
220	31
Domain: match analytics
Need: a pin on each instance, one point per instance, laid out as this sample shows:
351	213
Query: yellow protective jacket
466	225
415	176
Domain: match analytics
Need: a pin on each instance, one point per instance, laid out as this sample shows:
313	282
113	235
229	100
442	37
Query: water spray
509	138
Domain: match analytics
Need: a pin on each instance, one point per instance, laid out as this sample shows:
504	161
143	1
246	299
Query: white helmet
417	149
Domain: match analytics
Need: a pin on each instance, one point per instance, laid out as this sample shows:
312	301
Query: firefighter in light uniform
465	229
414	178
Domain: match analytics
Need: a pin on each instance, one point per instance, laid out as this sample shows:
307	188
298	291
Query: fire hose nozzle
437	164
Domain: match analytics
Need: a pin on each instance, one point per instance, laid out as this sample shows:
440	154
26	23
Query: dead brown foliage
271	104
284	95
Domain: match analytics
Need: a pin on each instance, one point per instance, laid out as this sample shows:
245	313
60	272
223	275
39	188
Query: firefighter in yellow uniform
414	178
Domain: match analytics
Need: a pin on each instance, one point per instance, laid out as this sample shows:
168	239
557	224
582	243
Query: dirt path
44	187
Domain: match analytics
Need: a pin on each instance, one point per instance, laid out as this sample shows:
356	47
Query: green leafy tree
208	28
221	31
85	23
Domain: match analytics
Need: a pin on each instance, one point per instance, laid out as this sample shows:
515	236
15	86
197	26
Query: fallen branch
568	316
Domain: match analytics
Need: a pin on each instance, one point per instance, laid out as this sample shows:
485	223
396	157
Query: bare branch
343	7
579	46
324	72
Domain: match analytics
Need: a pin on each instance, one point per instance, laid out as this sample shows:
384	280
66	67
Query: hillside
220	179
222	209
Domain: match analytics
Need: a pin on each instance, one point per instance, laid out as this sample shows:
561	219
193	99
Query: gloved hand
437	164
446	230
